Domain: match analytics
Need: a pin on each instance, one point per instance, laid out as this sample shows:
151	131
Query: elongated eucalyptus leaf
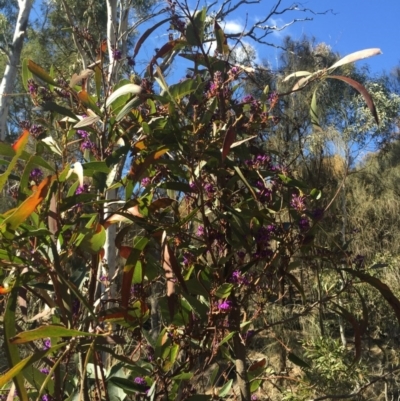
37	70
314	110
11	223
351	58
222	42
87	121
360	88
296	75
195	28
128	89
225	389
17	150
27	362
12	352
139	245
26	74
47	331
52	106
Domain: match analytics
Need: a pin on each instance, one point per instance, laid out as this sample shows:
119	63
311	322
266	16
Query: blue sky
352	25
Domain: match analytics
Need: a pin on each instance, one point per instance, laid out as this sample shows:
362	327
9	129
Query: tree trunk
14	53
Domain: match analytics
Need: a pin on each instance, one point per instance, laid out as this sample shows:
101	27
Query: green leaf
52	106
128	385
227	338
26	74
255	385
26	363
222	42
128	89
224	391
316	194
298	361
224	290
48	331
38	71
314	111
17	149
195	28
12	352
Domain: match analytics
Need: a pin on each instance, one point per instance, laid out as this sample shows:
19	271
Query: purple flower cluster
188	258
209	188
46	344
317	214
45	371
36	175
303	223
200	231
248	99
298	203
86	144
32	87
224	305
145	182
239	278
116	54
82	189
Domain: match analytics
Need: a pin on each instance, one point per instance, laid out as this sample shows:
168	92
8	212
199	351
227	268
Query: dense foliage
226	284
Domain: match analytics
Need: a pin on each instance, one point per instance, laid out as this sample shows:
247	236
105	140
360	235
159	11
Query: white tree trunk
14	53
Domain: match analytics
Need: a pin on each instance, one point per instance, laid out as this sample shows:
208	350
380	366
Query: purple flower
36	174
254	397
36	130
249	335
82	189
234	71
145	182
225	305
116	54
140	380
87	145
297	203
82	133
304	224
248	99
188	258
200	231
46	397
75	306
32	86
239	278
136	288
46	344
193	187
209	188
45	371
317	214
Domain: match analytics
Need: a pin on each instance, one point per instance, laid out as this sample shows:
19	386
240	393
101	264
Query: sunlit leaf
45	332
360	55
11	223
37	70
128	89
17	148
